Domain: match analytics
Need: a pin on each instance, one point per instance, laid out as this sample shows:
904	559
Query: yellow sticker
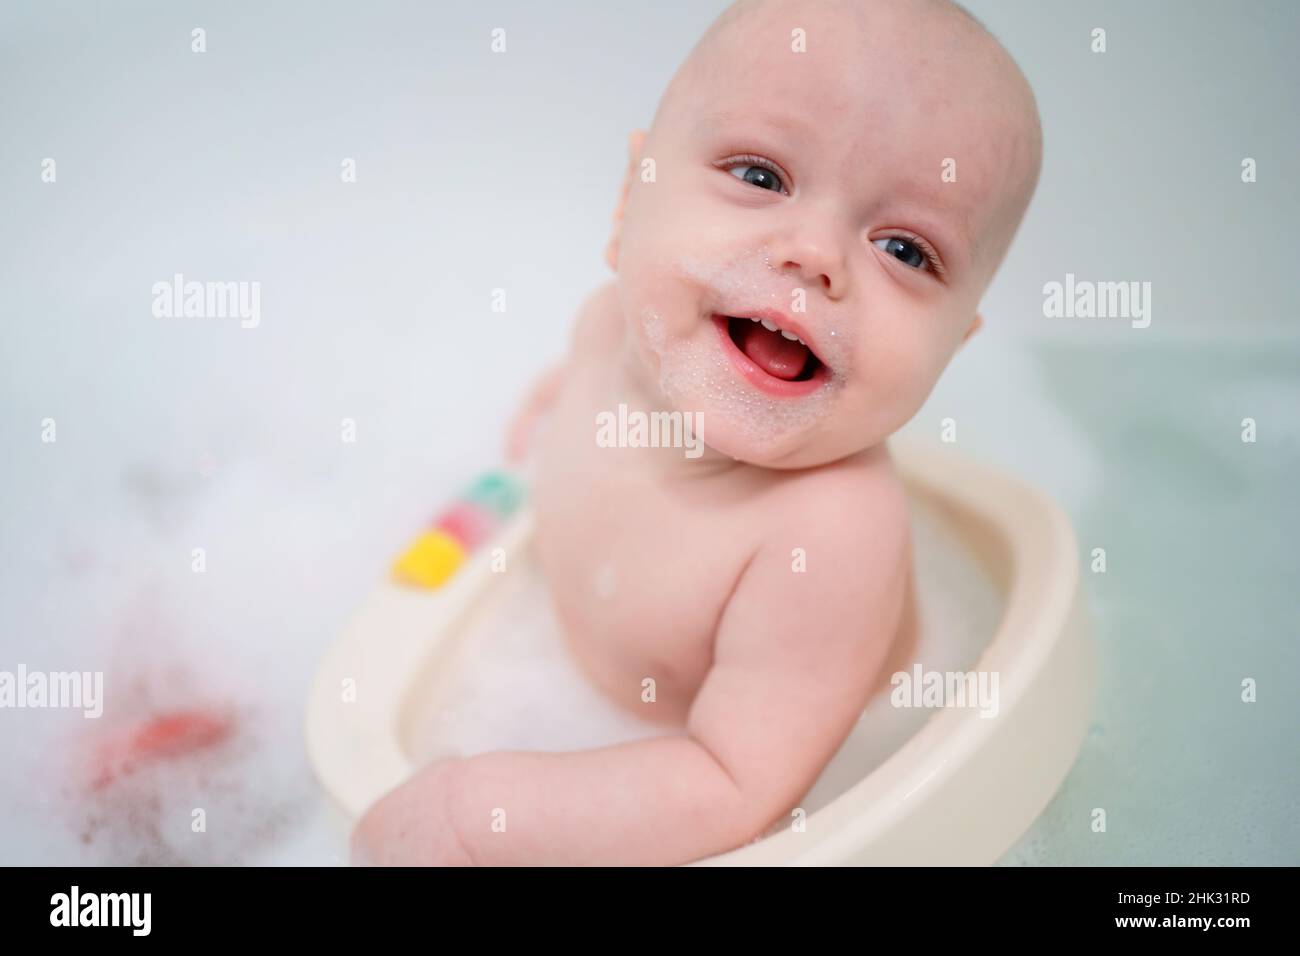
430	561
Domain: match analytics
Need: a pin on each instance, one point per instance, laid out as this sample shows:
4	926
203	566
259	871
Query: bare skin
765	586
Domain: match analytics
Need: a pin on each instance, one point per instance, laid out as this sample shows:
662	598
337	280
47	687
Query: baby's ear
634	143
976	324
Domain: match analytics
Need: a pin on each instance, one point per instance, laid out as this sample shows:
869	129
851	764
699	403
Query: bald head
862	64
862	163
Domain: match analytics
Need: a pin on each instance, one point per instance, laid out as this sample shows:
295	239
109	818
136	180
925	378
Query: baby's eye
900	248
759	176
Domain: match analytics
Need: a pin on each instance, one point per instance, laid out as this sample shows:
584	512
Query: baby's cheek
894	384
891	368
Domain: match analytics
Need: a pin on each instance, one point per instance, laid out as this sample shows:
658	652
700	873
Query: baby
801	244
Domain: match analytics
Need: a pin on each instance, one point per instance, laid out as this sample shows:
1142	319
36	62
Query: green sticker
498	491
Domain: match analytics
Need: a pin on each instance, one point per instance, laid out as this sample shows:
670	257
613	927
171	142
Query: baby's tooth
752	319
789	335
768	324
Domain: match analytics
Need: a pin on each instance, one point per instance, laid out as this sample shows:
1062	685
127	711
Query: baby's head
850	171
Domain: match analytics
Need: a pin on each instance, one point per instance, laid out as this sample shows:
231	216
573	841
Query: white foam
509	683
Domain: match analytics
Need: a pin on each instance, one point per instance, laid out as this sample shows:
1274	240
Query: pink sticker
468	523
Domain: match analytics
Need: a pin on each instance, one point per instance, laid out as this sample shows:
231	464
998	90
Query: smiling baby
802	241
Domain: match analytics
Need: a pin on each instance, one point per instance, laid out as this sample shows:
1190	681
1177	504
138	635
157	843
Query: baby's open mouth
773	358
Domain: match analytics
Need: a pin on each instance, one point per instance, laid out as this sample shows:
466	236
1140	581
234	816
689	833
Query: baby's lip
783	321
759	377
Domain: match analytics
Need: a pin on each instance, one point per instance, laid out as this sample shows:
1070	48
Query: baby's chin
757	430
790	453
693	375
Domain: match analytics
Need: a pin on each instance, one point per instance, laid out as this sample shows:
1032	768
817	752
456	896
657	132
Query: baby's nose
817	260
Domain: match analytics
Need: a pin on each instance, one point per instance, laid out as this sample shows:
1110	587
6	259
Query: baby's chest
625	564
639	576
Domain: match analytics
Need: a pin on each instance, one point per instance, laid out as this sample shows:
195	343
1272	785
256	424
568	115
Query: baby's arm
795	659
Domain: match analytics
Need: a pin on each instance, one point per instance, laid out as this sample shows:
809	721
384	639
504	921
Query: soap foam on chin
696	369
748	281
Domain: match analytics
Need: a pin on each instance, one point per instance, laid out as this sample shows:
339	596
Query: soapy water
699	372
190	764
179	788
203	674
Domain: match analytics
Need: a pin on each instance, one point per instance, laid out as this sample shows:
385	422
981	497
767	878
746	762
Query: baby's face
856	198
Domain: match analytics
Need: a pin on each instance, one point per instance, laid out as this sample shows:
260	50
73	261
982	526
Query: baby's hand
519	435
412	825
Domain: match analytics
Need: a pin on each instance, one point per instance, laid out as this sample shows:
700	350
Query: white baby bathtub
957	791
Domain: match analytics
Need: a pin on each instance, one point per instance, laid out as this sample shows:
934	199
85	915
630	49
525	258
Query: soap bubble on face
747	281
695	371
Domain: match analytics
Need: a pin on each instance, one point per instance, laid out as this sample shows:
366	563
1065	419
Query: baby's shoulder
598	328
844	531
854	507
